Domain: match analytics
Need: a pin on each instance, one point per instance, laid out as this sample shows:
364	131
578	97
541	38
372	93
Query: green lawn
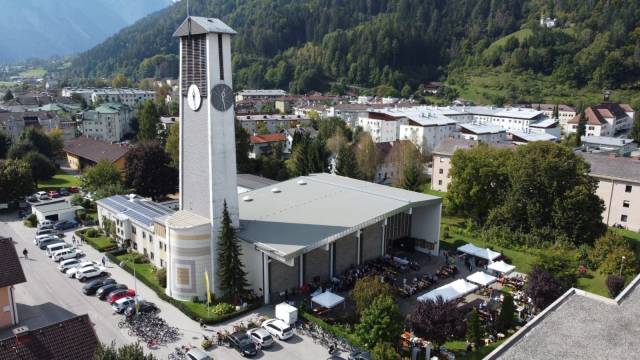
59	180
146	271
36	73
459	348
426	188
520	35
523	261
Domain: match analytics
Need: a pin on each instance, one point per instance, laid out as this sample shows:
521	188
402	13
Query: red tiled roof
10	269
267	138
597	114
71	339
95	150
382	116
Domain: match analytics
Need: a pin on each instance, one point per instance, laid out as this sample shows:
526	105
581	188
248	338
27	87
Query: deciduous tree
615	284
124	352
172	147
103	173
231	274
16	180
39	140
366	157
543	288
346	162
42	168
5	144
368	288
380	322
119	81
149	172
408	163
438	321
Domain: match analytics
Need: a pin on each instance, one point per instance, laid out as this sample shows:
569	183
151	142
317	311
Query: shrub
604	246
367	289
384	351
620	261
92	233
77	200
615	284
31	221
223	309
161	276
561	265
139	258
543	288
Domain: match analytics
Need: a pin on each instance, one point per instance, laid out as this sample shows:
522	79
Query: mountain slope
33	28
304	45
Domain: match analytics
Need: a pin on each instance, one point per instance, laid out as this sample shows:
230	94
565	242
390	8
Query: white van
55	247
45	222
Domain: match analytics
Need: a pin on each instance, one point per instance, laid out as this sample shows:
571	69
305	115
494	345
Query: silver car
261	337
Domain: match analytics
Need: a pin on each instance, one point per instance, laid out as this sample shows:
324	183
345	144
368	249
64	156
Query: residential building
11	274
84	151
579	325
135	220
618	187
272	122
261	94
168	121
263	145
609	145
546	127
108	122
302	131
606	119
382	127
127	96
14	123
73	338
442	154
565	112
484	133
516	119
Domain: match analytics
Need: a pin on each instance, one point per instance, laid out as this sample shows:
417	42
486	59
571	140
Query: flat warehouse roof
304	213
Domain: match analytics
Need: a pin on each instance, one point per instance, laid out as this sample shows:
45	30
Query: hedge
101	243
180	305
335	330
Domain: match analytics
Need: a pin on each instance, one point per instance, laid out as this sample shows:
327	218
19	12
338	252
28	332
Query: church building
302	230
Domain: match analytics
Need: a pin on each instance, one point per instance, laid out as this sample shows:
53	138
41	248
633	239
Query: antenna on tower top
188	19
187	8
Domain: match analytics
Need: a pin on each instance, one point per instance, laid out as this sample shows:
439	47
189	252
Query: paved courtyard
49	296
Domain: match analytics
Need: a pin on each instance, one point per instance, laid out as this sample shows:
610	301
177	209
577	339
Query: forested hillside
304	45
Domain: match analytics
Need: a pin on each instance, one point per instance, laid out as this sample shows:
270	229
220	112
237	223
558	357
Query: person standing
25	252
104	261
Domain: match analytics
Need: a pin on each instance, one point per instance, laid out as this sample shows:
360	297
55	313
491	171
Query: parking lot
49	296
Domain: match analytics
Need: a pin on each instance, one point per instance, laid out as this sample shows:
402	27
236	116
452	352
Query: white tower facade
207	126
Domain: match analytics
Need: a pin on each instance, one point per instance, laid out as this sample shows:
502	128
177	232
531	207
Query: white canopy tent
487	254
481	278
328	299
501	267
451	291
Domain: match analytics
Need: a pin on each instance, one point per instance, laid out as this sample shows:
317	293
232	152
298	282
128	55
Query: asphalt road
49	296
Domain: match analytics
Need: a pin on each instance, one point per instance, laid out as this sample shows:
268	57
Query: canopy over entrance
501	267
481	278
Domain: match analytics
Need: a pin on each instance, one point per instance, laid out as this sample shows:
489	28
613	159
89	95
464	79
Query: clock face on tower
193	97
222	97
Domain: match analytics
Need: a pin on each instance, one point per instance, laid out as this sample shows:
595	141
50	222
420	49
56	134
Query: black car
241	342
144	307
104	291
92	287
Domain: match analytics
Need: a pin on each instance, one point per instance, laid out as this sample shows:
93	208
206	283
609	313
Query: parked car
41	194
38	238
65	225
123	303
56	247
48	241
278	328
144	307
87	273
241	342
45	222
68	253
68	264
260	336
63	192
73	190
72	271
92	287
198	354
360	355
44	230
119	294
32	199
53	194
104	291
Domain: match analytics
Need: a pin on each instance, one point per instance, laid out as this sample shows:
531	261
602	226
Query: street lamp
622	264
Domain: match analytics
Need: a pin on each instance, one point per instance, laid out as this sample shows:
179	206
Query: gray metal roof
253	182
606	140
202	25
139	210
621	168
449	146
310	211
580	326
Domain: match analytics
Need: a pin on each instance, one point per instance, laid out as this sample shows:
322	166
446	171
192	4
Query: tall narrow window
220	56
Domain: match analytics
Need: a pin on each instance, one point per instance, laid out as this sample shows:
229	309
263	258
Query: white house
484	133
108	122
606	119
382	126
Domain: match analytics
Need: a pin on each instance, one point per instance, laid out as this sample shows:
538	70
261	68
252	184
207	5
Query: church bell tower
207	124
